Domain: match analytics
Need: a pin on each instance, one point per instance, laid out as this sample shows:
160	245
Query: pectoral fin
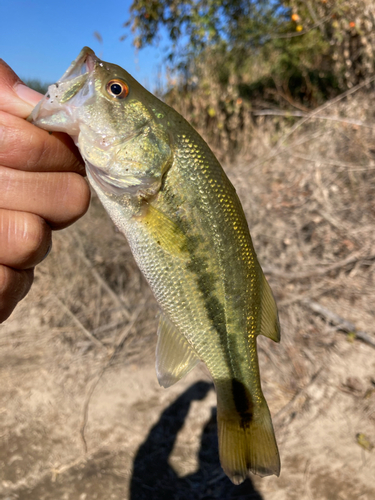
165	231
174	356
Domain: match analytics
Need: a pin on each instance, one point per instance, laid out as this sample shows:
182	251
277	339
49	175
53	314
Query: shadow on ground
154	478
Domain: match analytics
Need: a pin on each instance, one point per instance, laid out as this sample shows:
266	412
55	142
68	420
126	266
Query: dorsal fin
174	356
270	326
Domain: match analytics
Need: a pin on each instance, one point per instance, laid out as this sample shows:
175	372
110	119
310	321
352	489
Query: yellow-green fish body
165	190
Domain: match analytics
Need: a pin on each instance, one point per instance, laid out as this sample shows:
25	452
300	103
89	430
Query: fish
167	193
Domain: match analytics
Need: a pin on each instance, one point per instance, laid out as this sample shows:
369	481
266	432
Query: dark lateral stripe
206	280
242	401
214	309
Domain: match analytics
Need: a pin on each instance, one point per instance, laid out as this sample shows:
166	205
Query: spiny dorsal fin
174	356
270	326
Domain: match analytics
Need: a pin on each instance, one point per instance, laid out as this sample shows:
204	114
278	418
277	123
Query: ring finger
24	239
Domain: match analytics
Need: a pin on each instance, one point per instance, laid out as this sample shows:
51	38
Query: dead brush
310	208
308	191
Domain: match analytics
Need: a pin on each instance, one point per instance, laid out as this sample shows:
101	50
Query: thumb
15	97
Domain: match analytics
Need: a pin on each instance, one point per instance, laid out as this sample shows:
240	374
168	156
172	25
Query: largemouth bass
166	191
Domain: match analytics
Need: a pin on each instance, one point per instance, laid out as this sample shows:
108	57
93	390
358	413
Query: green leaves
266	52
194	25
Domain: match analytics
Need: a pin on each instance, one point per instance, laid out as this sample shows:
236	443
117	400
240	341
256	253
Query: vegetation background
283	93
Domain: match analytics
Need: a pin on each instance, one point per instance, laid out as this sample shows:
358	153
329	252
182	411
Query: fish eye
117	89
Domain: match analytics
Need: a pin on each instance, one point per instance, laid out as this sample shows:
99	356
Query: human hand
41	189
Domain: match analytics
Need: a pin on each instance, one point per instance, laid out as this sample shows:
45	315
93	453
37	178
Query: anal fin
174	356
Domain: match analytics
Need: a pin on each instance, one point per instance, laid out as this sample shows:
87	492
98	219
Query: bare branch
277	149
292	275
99	374
102	282
288	114
77	322
341	323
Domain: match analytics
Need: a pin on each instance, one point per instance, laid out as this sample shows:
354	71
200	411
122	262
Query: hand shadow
154	479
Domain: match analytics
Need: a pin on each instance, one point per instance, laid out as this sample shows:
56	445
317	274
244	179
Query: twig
317	271
341	323
288	114
102	282
314	292
277	149
99	374
324	106
77	322
317	24
109	326
290	403
334	163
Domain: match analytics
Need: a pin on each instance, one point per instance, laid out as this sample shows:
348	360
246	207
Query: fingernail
27	94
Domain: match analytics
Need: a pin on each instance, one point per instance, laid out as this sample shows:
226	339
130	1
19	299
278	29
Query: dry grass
311	209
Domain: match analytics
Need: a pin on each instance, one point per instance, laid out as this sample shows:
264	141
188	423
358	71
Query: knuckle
36	239
24	239
39	151
75	199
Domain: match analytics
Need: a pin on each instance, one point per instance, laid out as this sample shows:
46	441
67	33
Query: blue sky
39	39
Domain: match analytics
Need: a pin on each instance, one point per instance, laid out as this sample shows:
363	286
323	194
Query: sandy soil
147	442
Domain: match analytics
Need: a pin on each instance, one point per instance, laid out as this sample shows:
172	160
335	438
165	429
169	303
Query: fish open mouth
85	63
57	110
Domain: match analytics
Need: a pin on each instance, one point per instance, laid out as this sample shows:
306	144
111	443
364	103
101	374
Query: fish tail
247	444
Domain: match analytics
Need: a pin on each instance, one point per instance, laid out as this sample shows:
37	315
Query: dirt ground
81	414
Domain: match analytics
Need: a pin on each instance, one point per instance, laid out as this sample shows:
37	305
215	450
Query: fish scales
166	191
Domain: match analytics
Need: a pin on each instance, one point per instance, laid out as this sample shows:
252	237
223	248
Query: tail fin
248	446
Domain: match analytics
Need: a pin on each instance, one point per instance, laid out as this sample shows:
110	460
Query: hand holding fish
41	189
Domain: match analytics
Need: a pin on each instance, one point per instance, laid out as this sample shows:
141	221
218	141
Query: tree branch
341	323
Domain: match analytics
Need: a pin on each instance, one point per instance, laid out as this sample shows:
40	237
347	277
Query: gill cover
123	140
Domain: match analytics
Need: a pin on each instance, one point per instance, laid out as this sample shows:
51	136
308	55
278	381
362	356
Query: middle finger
58	197
27	147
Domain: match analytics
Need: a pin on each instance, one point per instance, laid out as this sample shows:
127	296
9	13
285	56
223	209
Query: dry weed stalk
114	351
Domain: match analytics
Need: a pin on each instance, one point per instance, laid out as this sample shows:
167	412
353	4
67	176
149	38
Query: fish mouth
57	110
86	62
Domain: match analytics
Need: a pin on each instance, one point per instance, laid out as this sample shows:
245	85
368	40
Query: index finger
15	97
26	147
56	151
